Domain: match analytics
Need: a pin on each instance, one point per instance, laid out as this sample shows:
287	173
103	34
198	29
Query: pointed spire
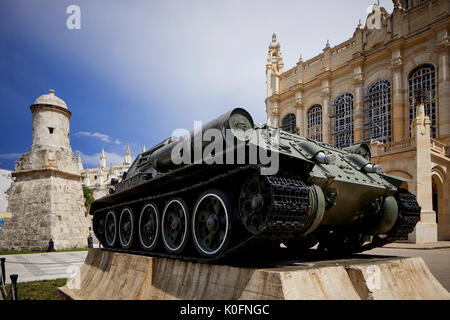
274	38
79	163
274	59
143	148
102	159
127	158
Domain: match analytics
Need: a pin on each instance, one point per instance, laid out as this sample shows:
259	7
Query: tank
231	186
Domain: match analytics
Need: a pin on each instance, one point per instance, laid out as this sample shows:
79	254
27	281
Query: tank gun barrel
236	121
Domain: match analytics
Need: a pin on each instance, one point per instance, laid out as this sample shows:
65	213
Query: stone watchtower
46	199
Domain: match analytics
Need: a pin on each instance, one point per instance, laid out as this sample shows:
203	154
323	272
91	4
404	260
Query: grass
40	290
5	253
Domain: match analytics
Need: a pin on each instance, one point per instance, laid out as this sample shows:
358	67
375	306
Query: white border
152	245
115	231
128	244
210	253
173	250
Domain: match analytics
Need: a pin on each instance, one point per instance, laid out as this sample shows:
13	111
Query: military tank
232	185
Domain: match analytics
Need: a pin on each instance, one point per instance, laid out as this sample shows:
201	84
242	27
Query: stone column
325	97
399	122
426	229
275	115
443	46
358	113
300	118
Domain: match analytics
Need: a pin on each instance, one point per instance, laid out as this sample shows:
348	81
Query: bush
88	196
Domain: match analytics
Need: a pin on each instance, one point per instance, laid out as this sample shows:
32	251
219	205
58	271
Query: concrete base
109	275
424	233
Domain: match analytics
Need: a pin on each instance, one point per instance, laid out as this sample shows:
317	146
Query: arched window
289	123
405	4
315	122
343	122
377	120
423	77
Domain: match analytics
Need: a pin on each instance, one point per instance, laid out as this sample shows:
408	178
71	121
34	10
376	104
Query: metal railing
12	295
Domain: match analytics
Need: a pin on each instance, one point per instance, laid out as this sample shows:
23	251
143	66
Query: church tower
80	164
274	68
127	158
102	159
46	199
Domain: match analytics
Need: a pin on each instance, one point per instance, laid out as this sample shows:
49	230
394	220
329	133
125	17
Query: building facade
363	90
45	198
99	179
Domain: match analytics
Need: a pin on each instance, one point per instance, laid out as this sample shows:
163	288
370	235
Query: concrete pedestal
424	233
110	275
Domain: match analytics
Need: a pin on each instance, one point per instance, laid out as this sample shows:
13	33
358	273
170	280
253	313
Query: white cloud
103	137
212	54
11	156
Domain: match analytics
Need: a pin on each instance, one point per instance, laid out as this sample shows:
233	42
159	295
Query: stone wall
5	183
45	206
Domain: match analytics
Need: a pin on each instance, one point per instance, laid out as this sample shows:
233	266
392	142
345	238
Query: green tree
88	196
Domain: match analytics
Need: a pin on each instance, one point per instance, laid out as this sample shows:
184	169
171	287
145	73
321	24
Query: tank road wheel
149	227
174	225
251	203
111	229
126	228
211	223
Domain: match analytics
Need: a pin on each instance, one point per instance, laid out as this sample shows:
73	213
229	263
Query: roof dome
51	99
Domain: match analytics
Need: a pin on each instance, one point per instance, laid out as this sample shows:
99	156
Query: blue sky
138	69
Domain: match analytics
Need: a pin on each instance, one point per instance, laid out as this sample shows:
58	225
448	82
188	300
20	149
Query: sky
136	70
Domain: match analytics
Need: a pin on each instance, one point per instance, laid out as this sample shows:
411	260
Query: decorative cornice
46	107
325	92
358	79
443	44
50	171
397	64
275	111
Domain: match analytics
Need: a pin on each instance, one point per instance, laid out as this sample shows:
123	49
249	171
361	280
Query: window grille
343	121
315	122
289	123
423	77
377	112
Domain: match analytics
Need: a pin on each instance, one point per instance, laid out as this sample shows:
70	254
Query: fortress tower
46	199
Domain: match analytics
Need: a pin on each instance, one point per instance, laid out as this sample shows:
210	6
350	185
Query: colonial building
99	179
364	90
45	199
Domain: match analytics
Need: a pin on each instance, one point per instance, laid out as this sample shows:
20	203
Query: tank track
409	216
287	214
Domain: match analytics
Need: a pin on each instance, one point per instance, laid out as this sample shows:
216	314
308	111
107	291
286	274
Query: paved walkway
43	266
420	246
